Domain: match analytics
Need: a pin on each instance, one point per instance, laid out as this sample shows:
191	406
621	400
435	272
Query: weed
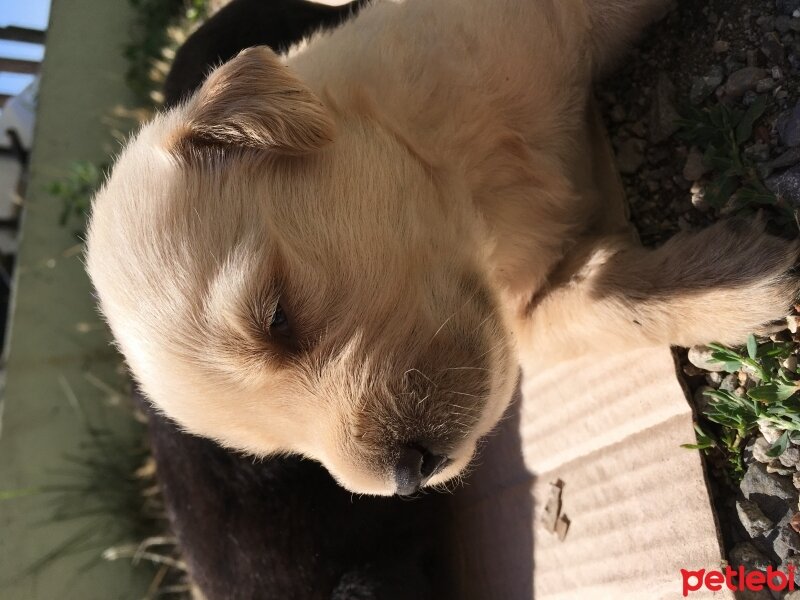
76	190
734	185
773	399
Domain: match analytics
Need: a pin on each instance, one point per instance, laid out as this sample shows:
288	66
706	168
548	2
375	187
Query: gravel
707	54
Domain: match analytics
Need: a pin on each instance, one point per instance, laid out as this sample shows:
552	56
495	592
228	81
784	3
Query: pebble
776	468
695	167
788	127
748	555
699	198
787	7
772	48
729	383
754	521
630	155
765	85
787	542
743	80
790	364
772	493
703	87
758	152
759	450
769	431
663	116
721	46
700	357
786	185
790	457
714	379
786	159
796	480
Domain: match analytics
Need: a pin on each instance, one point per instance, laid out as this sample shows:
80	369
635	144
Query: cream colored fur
411	190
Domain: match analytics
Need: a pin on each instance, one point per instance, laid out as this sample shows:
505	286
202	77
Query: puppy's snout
415	466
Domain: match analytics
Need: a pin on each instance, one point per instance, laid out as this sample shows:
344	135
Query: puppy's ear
253	101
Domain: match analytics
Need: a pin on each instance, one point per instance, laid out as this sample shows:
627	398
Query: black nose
415	466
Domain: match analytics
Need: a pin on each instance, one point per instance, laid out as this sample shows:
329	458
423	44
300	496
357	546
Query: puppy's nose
415	465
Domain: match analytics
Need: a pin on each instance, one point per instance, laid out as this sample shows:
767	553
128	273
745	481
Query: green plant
774	400
76	190
108	490
151	41
734	185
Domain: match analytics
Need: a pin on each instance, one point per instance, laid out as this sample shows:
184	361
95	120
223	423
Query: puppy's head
283	277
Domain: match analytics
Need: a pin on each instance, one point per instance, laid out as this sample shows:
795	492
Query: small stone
759	450
786	186
772	48
777	468
790	457
772	493
729	383
795	522
765	85
757	152
788	127
747	555
787	542
754	521
743	80
749	98
787	159
630	155
721	47
695	167
700	357
792	322
699	198
769	431
776	72
714	378
790	364
787	7
663	117
796	481
792	561
703	87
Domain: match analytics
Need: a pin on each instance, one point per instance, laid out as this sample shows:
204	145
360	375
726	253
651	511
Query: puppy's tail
615	24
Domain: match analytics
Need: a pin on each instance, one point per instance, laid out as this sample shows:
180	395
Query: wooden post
17	65
22	34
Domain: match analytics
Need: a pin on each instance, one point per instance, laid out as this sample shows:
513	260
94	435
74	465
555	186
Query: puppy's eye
279	323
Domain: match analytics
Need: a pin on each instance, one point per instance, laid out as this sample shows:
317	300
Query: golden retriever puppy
341	252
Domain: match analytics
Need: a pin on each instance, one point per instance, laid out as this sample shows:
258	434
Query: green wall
61	370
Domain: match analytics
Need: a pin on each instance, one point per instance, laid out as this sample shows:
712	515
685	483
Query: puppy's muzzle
415	466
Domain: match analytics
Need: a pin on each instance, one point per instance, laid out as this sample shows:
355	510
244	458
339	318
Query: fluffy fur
411	190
